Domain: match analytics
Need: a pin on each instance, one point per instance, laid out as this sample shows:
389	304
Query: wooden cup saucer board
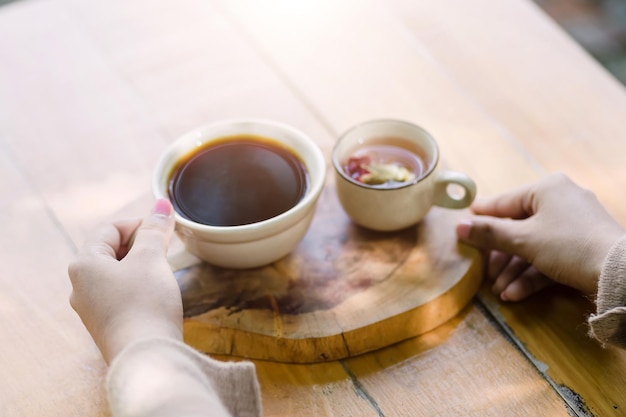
343	291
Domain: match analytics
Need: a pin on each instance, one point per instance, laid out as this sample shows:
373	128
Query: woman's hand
550	230
123	287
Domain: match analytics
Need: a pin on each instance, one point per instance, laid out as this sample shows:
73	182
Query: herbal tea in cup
387	175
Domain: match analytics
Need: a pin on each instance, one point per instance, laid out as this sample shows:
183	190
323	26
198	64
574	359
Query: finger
155	231
529	282
108	238
515	204
497	262
491	233
510	273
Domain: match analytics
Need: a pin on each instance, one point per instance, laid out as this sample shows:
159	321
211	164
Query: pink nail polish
162	207
463	229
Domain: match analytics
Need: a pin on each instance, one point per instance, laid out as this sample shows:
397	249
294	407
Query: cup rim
424	132
313	191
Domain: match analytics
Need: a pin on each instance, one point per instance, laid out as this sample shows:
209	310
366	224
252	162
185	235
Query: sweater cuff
608	325
233	384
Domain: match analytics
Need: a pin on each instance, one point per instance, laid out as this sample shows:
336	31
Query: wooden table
91	92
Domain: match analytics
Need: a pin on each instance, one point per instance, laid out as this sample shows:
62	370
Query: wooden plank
350	72
549	328
327	68
451	74
82	136
189	65
551	97
113	84
409	377
85	142
313	390
44	346
431	375
113	96
579	111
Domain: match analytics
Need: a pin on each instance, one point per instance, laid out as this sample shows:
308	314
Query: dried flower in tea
363	170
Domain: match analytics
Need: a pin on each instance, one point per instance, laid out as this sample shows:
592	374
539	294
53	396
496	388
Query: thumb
156	229
494	233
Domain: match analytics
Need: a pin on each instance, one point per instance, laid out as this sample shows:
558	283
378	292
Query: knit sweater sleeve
166	378
608	325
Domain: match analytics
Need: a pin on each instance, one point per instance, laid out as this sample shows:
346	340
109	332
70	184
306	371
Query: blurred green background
599	26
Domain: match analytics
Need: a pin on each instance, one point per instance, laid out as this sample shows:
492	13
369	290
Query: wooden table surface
92	91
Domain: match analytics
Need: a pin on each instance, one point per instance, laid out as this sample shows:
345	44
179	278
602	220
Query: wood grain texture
349	72
563	116
42	338
589	376
343	291
406	378
92	91
503	112
413	369
574	124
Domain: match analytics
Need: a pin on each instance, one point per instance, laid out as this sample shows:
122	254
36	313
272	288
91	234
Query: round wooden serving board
343	291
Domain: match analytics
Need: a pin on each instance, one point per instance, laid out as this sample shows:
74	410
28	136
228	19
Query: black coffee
237	180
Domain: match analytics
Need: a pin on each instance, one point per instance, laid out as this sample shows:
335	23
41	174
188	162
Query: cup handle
444	199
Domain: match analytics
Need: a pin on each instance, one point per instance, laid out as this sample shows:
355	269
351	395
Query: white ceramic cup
256	244
388	209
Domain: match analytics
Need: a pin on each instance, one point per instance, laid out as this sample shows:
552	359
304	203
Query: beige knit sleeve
166	378
608	325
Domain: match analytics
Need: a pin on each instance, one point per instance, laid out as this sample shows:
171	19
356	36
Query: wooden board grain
423	376
344	291
92	91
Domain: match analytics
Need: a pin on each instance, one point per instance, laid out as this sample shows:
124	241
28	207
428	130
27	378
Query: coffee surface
237	180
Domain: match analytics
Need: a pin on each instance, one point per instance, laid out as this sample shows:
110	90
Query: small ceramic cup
403	204
255	244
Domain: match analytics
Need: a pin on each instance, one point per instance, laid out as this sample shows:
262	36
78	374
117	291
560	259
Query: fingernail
463	229
162	207
503	296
